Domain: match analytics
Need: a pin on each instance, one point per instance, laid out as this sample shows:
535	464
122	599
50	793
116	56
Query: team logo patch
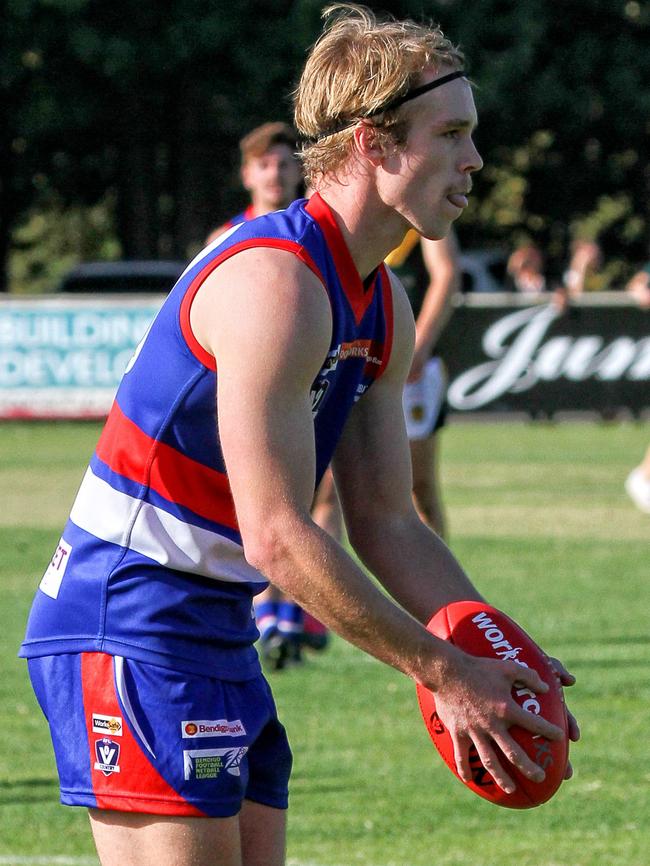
210	763
107	725
192	729
107	753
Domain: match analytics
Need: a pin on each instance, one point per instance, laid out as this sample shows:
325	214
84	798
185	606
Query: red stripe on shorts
128	782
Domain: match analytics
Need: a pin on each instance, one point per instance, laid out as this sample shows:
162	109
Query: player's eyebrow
455	123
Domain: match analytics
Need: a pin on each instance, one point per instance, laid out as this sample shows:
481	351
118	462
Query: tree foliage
137	109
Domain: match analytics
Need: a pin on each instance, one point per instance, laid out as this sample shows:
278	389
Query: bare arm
441	261
269	338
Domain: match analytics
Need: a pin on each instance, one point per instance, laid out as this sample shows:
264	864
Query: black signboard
503	355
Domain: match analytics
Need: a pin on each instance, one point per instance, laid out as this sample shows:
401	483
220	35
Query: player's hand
476	706
567	679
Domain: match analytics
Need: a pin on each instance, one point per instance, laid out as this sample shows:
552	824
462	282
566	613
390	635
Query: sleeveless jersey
151	563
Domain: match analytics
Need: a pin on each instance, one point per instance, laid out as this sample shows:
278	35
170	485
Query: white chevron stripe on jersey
121	519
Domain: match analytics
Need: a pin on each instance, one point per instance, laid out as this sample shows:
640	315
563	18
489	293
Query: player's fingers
536	724
461	756
574	727
494	767
518	758
569	771
528	678
566	678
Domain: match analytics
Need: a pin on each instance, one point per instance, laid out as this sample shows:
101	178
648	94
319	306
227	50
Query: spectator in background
525	270
429	271
584	271
271	173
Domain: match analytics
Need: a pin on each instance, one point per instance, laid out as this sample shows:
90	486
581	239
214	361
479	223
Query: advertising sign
535	358
64	357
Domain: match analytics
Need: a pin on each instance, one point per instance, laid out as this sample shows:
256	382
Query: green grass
539	518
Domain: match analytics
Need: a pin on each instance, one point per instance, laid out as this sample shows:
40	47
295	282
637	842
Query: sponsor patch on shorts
107	725
210	763
194	728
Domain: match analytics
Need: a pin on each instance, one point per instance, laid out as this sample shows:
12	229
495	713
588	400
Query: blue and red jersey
151	564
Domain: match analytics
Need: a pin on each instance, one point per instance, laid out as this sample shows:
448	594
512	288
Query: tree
564	95
137	109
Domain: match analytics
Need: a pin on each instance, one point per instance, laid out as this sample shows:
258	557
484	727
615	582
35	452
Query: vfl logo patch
212	728
108	755
107	725
209	763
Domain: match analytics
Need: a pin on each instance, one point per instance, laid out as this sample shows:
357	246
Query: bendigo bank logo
191	729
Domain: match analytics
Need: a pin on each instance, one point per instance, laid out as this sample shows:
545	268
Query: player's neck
261	206
369	232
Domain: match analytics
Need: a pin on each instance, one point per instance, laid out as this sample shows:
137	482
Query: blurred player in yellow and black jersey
430	274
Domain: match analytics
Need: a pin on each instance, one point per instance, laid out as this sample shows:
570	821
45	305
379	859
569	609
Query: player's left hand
567	679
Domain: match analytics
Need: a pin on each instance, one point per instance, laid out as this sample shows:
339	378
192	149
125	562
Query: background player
269	171
429	271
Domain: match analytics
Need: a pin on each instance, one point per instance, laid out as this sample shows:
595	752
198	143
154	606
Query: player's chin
437	232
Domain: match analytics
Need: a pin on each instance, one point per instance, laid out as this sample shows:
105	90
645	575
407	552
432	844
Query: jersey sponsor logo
192	729
51	582
107	725
210	763
368	350
107	753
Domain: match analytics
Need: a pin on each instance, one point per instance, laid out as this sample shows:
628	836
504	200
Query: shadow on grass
28	791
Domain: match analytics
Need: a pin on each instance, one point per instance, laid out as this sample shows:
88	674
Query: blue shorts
136	737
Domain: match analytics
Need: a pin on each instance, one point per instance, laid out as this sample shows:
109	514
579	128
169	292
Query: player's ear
368	143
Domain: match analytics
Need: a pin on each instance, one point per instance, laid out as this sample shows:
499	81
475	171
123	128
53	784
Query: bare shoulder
267	293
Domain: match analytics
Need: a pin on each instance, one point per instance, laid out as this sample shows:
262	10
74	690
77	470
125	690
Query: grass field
539	518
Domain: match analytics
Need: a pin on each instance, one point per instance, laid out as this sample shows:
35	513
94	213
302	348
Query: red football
481	630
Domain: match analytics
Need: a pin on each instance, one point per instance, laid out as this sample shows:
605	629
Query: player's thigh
263	834
131	839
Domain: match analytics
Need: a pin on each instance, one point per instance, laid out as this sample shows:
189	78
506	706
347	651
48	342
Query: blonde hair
359	64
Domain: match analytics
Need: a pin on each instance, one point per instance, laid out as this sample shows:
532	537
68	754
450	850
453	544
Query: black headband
413	93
